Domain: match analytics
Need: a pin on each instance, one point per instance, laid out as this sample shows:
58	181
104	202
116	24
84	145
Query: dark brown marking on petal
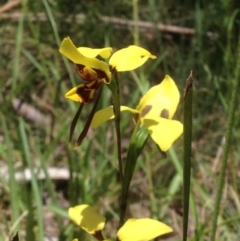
102	75
84	94
145	110
164	114
80	68
98	235
87	73
112	69
86	91
93	85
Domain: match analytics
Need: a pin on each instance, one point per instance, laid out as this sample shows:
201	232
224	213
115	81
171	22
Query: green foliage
35	117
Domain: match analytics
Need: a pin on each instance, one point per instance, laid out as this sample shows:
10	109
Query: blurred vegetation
35	117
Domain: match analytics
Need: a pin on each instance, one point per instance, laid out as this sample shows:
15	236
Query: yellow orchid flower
155	110
133	230
94	70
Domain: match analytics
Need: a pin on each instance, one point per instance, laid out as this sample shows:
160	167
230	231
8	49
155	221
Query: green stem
116	106
187	138
135	18
228	135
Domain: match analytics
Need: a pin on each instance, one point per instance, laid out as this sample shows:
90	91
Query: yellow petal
161	100
106	114
68	49
81	93
130	58
87	218
163	131
72	94
143	229
92	53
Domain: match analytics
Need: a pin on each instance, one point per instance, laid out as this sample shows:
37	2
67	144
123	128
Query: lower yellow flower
142	229
133	230
87	218
155	111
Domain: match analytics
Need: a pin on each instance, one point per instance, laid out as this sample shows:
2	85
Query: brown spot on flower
164	114
145	110
102	75
91	74
86	91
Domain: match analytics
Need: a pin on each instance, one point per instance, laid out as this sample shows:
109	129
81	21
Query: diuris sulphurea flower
155	111
96	72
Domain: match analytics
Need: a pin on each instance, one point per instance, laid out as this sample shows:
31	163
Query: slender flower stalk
114	86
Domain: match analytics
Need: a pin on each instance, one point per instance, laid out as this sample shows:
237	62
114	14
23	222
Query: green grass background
34	75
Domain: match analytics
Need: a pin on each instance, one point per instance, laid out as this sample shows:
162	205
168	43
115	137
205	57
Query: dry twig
9	5
117	23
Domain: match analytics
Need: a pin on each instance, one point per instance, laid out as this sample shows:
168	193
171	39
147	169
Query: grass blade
35	186
187	137
13	186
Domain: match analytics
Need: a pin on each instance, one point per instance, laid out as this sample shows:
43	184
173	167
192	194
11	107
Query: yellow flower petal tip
142	229
130	58
72	95
68	49
92	53
87	218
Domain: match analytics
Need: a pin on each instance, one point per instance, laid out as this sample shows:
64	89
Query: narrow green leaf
13	186
187	151
36	189
137	142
